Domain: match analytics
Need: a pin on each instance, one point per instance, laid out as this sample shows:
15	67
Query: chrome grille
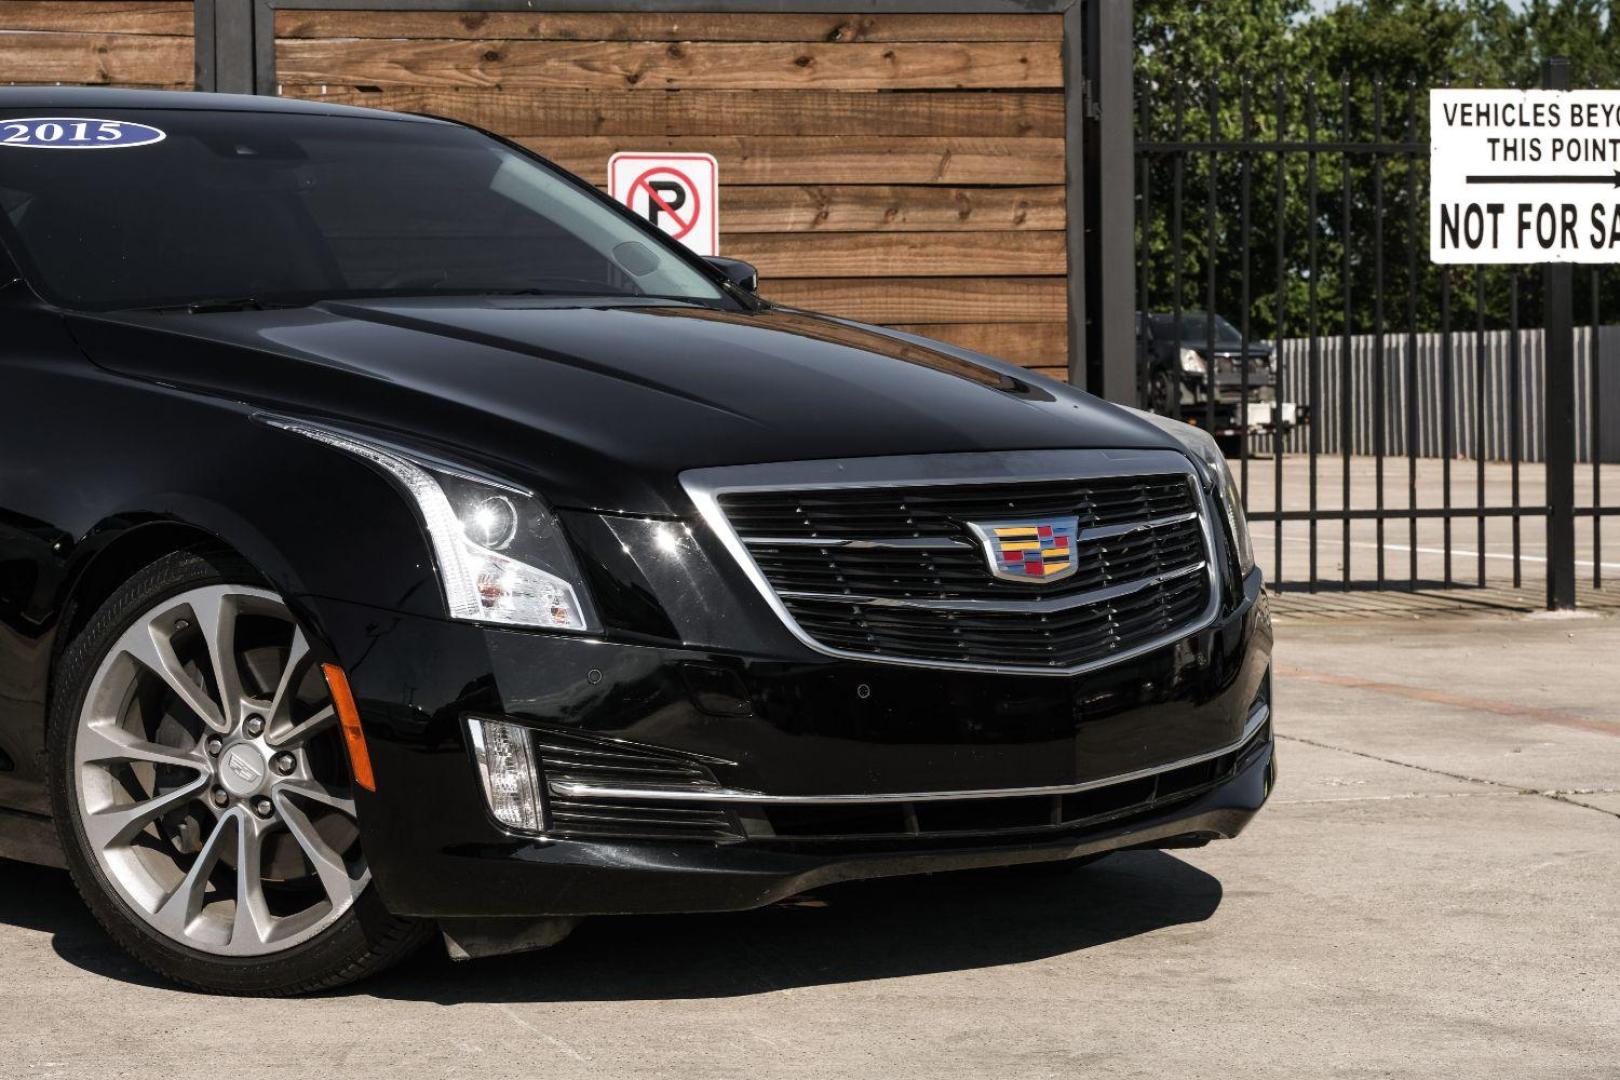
891	570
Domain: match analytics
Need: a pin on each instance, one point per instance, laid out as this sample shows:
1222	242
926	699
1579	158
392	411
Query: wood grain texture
889	255
1033	344
595	65
745	159
96	17
926	300
96	59
718	112
672	26
831	208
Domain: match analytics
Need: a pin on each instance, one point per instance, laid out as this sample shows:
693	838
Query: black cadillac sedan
397	537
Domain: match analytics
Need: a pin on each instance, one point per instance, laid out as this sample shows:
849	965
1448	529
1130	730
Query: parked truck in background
1179	359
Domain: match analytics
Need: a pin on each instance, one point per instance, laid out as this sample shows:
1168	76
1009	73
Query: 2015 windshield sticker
76	133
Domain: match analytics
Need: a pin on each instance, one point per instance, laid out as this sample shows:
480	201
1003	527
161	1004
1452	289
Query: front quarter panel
89	459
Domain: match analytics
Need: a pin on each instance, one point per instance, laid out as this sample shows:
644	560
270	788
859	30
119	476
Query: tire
1162	385
216	843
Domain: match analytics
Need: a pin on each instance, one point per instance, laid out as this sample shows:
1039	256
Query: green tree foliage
1247	75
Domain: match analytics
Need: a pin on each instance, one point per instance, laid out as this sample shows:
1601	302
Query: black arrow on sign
1612	179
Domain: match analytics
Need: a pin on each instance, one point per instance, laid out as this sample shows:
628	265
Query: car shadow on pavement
43	899
847	933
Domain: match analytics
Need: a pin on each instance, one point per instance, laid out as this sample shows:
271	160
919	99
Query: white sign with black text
678	193
1524	176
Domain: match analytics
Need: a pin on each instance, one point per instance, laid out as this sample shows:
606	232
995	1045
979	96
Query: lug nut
284	763
214	745
262	807
220	797
254	726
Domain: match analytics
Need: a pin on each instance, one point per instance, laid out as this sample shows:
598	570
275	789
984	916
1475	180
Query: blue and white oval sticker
76	133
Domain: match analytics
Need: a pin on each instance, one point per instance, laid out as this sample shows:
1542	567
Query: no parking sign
678	193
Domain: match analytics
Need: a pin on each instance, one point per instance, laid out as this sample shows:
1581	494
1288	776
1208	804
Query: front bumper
795	726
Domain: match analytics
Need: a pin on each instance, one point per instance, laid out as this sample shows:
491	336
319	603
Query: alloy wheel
210	777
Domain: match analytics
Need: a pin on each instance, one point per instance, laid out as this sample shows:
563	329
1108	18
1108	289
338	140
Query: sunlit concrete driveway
1433	892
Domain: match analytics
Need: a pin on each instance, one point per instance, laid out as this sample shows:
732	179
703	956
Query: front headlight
1192	363
501	554
1206	454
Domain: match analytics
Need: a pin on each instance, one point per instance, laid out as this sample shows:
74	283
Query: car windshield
285	208
1195	328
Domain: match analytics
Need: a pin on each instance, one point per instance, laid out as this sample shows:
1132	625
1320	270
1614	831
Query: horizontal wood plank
671	26
926	300
1033	344
1061	374
96	59
719	112
833	208
595	65
889	255
826	160
96	17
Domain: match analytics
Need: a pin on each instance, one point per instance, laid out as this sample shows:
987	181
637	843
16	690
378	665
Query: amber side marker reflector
349	721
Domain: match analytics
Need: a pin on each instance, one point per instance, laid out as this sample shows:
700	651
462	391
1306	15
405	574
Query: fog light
506	766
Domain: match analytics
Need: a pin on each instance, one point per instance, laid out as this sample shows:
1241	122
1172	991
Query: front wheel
202	790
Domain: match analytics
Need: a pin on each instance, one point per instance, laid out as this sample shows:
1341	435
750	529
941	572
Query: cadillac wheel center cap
241	770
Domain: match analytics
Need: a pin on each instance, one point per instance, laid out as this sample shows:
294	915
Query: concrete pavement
1433	892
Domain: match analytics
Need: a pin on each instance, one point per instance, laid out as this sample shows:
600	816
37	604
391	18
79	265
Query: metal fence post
1558	281
1110	196
224	49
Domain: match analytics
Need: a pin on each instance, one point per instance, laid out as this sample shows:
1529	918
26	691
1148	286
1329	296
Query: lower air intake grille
584	760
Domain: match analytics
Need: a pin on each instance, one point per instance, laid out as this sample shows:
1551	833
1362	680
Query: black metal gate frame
1559	510
235	53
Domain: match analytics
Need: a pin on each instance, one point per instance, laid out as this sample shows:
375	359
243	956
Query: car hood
603	404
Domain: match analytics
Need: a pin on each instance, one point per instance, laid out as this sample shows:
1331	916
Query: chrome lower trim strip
570	789
1056	603
706	486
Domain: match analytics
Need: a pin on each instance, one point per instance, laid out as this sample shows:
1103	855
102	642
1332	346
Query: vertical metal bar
1106	30
1246	164
1282	315
1144	252
1596	451
1447	418
1411	337
1178	175
1560	405
1480	379
1313	437
1211	246
1346	386
203	63
1378	320
1515	419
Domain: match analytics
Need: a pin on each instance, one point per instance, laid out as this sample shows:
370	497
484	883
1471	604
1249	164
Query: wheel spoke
118	825
309	789
216	612
149	645
300	733
176	914
281	704
329	865
253	922
103	744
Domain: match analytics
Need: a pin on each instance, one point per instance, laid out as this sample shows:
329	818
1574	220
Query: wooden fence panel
91	43
900	169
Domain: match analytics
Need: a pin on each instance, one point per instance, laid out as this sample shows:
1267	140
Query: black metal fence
1300	212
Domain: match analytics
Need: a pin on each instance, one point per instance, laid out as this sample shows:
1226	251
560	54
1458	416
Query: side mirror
741	274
